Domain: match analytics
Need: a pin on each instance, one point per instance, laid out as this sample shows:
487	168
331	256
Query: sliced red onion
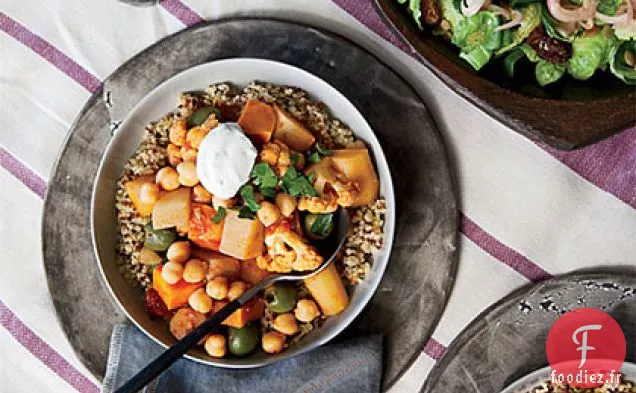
471	7
517	18
623	18
586	11
497	10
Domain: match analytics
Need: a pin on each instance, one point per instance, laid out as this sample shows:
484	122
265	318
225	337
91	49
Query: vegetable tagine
575	37
235	186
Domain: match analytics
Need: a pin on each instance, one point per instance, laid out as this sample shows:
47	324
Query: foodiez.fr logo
586	348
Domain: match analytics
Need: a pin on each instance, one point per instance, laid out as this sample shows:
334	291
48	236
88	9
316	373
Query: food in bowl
624	386
574	37
234	186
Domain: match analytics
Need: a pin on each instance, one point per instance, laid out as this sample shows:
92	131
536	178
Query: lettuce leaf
547	72
477	38
451	13
414	9
518	53
619	65
531	19
626	31
608	7
590	53
556	29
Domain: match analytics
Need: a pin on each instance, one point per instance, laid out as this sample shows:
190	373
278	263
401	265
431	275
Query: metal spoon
174	353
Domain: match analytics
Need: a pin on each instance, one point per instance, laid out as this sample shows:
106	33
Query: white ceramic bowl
162	100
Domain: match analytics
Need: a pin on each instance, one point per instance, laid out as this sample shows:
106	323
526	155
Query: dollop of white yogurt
225	159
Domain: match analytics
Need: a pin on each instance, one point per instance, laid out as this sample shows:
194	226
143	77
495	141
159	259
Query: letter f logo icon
583	344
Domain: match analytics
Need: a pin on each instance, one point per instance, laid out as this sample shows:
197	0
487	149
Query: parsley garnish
247	193
263	176
323	225
314	157
323	150
220	215
269	192
296	184
246	212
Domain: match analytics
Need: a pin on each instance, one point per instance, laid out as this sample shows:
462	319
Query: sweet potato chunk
174	296
133	190
172	210
292	132
218	264
202	231
242	238
251	311
258	121
328	290
357	167
251	273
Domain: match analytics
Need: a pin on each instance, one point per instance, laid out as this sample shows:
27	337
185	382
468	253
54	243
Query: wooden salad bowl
567	115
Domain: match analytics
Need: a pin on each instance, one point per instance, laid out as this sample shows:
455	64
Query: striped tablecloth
527	212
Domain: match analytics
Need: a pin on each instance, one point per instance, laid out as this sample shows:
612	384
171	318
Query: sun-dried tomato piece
548	48
155	306
431	13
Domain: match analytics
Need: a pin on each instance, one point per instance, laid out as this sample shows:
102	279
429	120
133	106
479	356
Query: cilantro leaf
295	157
220	215
323	150
247	193
269	192
314	157
263	176
296	184
323	225
246	212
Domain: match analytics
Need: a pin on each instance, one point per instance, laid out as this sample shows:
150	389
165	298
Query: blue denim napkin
354	365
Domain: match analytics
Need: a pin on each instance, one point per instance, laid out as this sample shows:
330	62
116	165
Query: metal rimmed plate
425	244
507	341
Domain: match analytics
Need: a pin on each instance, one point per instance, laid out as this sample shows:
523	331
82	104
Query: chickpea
237	288
217	288
220	202
167	178
194	270
178	132
286	324
286	203
174	154
149	193
200	301
268	214
179	252
195	136
188	154
201	195
306	310
172	272
273	342
215	345
188	174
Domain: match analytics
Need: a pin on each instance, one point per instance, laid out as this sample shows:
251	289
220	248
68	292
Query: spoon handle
174	353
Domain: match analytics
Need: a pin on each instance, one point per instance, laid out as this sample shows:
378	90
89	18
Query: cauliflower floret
329	182
287	251
277	155
326	203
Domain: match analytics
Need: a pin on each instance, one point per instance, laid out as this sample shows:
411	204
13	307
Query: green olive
242	341
159	239
280	297
200	115
319	226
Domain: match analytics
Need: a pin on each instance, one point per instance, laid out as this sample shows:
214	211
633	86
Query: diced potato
357	166
258	121
172	210
148	257
292	132
328	290
242	238
251	311
202	231
218	264
251	273
176	295
133	190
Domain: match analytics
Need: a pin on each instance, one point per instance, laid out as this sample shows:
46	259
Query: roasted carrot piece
202	231
258	120
251	311
174	296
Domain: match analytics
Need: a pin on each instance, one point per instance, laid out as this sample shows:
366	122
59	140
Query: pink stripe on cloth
29	178
182	12
49	52
503	253
434	349
41	350
609	165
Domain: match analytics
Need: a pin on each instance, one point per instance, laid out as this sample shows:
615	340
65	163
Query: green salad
575	37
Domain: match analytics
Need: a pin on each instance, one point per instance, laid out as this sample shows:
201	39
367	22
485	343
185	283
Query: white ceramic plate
162	100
